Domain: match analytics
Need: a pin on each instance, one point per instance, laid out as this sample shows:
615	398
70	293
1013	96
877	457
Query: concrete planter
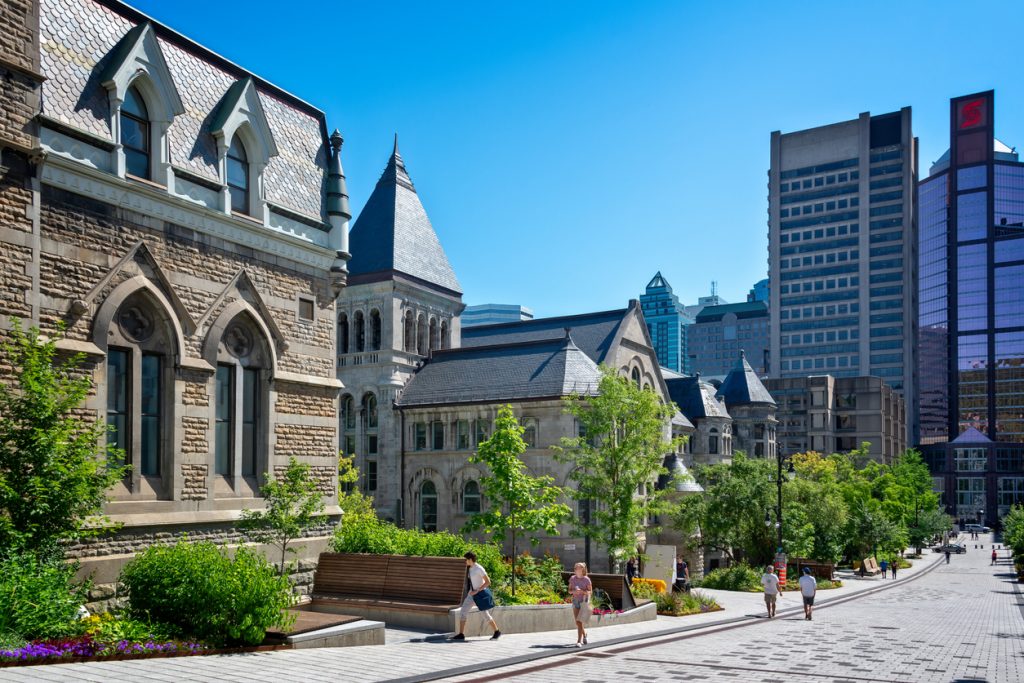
536	618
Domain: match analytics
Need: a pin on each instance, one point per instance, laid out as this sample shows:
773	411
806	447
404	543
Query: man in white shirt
771	589
808	588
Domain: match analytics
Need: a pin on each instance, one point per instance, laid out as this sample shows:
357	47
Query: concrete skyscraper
842	249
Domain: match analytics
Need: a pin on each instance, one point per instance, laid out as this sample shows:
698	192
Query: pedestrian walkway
413	655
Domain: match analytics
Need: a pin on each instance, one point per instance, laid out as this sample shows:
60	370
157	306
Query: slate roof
490	374
746	309
592	332
695	397
971	436
676	469
393	232
742	386
79	38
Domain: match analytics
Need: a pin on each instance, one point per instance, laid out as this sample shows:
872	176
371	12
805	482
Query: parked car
976	529
955	548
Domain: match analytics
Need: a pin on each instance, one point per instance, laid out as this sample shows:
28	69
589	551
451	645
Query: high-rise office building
667	323
842	246
720	332
971	320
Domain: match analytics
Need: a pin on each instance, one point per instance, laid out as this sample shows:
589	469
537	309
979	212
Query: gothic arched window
135	134
343	333
359	331
375	330
237	176
140	377
241	403
471	498
409	333
370	422
428	506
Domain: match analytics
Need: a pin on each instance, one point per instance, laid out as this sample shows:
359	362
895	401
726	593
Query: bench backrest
614	585
436	580
351	574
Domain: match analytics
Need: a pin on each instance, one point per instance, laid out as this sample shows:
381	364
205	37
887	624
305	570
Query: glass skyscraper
971	316
667	323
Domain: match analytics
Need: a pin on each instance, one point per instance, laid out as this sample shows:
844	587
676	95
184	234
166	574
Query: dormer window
135	135
238	176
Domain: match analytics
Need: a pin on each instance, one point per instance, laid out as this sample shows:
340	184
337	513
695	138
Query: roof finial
394	152
743	354
336	140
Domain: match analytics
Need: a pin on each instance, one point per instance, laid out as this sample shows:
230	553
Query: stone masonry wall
19	63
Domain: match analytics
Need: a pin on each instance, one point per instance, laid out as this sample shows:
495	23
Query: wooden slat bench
397	589
614	585
819	570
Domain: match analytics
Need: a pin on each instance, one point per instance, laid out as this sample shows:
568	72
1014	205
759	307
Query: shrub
198	588
38	596
367	534
643	589
739	577
111	629
657	585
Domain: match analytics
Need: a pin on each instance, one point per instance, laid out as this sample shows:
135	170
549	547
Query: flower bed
86	648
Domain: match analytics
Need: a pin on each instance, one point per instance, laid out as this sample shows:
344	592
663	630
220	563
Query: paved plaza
961	622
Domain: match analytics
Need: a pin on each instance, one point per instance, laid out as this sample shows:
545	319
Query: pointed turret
393	234
338	214
742	386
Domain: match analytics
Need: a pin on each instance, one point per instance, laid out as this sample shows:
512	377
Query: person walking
682	578
883	565
631	572
893	565
995	555
478	595
808	589
580	588
771	589
947	555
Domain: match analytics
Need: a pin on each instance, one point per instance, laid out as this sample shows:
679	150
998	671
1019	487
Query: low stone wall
537	618
103	567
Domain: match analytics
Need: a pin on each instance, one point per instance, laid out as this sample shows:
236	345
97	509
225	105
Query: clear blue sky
565	151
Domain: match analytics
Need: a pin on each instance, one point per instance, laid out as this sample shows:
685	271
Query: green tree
617	460
1013	531
929	523
351	500
519	502
294	504
55	467
729	515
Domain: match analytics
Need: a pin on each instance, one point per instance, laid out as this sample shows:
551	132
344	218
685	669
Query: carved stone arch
110	306
215	333
468	472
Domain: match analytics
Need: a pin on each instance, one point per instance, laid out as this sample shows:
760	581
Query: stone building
711	441
450	404
836	414
752	410
187	221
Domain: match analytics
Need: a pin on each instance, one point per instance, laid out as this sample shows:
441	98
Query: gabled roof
971	436
592	332
695	398
393	233
533	370
742	386
677	473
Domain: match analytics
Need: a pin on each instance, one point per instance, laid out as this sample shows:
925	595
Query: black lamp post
780	459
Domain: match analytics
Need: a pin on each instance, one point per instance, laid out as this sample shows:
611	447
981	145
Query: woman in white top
478	582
